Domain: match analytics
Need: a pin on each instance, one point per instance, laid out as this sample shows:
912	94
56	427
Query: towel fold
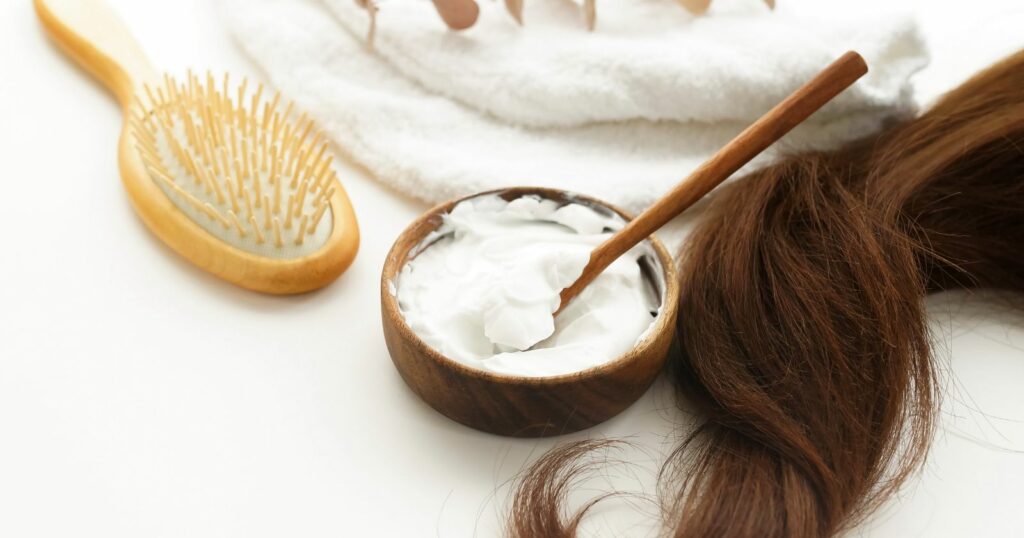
621	113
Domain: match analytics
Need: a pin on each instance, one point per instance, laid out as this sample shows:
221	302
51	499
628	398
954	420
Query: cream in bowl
468	294
482	288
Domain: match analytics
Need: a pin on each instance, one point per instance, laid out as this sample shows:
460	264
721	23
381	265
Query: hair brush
227	179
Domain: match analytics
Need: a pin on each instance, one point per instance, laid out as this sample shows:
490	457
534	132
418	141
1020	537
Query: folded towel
621	113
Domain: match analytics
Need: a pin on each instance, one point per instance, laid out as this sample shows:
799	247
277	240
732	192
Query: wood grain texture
778	121
93	35
522	406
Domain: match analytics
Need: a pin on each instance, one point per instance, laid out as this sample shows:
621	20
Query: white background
140	396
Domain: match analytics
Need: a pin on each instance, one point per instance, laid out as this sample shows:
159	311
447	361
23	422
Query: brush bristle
242	170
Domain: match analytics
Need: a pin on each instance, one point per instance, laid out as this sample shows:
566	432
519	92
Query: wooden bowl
525	406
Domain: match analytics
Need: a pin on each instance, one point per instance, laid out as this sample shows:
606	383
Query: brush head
241	169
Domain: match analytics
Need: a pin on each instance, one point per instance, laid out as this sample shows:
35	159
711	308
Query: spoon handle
748	144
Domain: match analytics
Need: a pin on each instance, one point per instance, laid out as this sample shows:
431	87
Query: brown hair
802	323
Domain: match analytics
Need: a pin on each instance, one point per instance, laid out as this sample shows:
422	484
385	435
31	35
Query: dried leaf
696	6
458	14
371	9
515	8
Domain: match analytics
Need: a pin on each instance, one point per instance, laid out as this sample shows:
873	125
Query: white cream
482	288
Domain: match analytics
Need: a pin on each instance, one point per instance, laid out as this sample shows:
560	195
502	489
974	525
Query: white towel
622	113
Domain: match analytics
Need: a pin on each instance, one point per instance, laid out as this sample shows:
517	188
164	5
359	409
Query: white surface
141	397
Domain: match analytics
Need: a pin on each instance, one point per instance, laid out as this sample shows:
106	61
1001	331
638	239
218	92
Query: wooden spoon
751	142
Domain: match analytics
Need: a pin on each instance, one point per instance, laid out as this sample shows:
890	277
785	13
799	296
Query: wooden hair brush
228	180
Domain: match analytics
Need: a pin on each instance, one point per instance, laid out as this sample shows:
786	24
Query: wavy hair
802	325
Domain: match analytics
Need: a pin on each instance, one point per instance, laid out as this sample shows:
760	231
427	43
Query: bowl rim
394	262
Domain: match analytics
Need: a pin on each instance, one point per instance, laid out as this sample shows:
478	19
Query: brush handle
751	142
91	33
